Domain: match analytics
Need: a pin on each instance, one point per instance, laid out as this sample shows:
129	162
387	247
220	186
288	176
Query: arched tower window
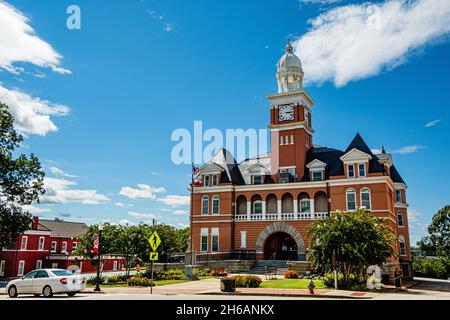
205	205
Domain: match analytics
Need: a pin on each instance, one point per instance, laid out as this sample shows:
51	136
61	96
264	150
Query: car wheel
12	292
36	294
71	294
47	292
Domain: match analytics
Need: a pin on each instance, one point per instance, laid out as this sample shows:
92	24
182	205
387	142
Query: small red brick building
49	244
261	207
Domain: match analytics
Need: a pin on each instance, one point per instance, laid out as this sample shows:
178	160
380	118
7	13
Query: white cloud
142	215
57	191
321	2
357	41
125	222
175	211
142	192
59	172
31	114
119	204
35	210
175	200
20	43
417	228
432	123
409	149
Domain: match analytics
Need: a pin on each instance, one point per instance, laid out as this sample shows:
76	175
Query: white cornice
291	126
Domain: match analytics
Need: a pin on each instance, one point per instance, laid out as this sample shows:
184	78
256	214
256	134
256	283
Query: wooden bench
270	273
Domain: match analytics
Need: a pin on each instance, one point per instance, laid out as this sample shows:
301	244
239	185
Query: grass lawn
291	284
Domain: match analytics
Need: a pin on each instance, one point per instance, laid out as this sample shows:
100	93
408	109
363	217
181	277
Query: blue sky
99	104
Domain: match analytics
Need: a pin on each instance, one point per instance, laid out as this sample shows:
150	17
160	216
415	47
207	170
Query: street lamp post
97	285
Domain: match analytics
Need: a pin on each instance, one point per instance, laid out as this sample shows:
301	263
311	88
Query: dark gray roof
327	155
395	176
64	229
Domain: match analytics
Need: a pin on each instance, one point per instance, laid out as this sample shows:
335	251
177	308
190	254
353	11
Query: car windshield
60	273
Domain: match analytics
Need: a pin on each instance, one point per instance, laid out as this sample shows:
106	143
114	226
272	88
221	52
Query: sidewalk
319	293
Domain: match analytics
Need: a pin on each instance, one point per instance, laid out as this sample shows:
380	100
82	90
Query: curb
237	293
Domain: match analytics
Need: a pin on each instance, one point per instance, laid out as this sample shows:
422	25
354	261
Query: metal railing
282	216
227	255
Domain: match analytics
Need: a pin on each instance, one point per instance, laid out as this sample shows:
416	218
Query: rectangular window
305	205
115	265
204	243
400	219
351	201
402	246
55	265
23	245
292	139
286	141
281	140
2	268
362	170
205	205
317	175
74	246
214	180
21	268
257	179
207	181
215	205
41	243
64	247
398	195
244	239
53	247
351	171
215	243
257	207
39	264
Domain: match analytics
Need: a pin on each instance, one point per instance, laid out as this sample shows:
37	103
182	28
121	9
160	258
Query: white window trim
401	239
309	203
321	171
401	196
19	273
22	242
51	246
64	247
39	262
209	180
214	177
218	242
257	175
254	206
346	198
115	265
55	265
370	198
74	246
2	267
243	239
203	206
403	219
348	171
41	248
359	170
215	197
201	242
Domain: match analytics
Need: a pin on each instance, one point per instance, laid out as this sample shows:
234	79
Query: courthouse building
260	208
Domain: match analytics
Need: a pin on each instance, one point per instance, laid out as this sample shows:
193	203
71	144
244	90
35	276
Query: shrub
291	274
246	281
116	279
217	272
172	274
139	282
355	282
93	281
431	267
201	272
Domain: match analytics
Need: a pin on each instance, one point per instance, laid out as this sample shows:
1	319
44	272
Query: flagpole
191	211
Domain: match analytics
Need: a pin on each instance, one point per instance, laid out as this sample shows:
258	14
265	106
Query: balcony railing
282	216
227	255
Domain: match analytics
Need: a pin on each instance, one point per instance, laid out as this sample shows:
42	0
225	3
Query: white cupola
289	71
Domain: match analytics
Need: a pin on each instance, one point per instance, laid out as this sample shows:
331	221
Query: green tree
21	181
358	239
439	233
182	239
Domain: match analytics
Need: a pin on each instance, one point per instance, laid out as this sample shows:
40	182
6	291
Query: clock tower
290	120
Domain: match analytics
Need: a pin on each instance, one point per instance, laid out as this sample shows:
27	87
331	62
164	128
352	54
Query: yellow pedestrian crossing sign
154	241
153	256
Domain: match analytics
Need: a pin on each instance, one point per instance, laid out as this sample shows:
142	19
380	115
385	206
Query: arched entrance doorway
280	246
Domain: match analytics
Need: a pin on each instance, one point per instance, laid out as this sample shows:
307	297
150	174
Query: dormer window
207	181
362	169
214	180
317	176
351	171
257	179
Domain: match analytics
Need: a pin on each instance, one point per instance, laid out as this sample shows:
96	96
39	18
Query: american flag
195	170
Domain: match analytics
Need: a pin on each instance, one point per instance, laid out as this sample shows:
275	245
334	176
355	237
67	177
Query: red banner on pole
96	243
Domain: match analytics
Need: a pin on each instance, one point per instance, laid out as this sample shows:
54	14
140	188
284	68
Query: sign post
154	242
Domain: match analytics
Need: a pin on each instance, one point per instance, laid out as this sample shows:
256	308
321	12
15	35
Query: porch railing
282	216
227	255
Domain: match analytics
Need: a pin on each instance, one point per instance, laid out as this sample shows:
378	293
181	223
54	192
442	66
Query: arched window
365	198
351	200
305	205
215	204
287	203
241	205
400	219
205	205
271	203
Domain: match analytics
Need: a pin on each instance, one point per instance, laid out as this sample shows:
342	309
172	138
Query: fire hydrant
311	286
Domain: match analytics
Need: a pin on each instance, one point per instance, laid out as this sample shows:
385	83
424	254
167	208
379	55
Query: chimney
35	223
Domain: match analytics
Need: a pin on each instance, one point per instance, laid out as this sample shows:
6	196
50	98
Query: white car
46	282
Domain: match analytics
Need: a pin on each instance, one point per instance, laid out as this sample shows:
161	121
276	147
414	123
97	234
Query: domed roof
289	59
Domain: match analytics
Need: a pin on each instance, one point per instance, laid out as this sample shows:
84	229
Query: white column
264	210
295	208
249	210
311	204
279	209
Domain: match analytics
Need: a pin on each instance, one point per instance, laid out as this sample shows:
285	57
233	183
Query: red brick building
262	206
49	244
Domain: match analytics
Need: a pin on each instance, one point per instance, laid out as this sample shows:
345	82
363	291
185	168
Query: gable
211	167
316	164
355	155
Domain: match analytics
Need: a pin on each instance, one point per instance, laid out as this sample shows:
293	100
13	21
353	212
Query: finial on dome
382	150
289	46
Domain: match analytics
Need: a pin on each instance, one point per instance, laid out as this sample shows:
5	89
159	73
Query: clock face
285	113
